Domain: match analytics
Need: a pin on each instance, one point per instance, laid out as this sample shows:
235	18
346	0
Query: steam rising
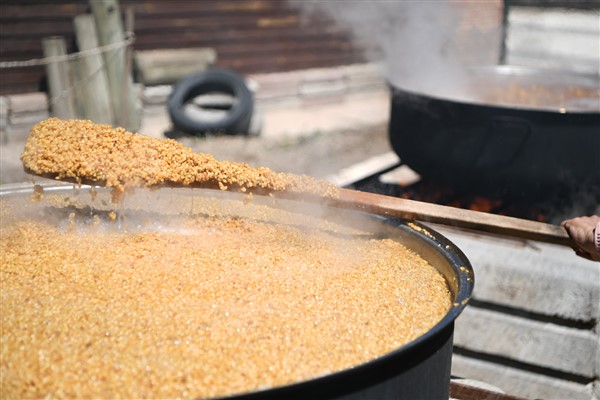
418	45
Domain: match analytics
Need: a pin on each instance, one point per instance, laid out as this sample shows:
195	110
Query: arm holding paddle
585	232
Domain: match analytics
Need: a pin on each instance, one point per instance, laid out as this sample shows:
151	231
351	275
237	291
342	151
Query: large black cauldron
505	130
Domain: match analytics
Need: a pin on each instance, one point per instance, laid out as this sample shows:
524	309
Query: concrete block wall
296	88
316	85
18	113
532	328
286	91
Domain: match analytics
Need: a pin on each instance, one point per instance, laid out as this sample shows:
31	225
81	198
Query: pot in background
506	130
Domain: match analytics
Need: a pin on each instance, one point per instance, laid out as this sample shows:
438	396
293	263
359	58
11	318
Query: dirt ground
318	155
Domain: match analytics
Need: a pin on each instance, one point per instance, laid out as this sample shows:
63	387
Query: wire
78	84
129	40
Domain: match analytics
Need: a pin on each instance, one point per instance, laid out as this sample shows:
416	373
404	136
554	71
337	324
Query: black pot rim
562	77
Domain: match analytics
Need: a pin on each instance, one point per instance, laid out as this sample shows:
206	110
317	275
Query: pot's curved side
503	150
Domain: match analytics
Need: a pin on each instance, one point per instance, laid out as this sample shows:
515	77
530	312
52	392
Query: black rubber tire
237	120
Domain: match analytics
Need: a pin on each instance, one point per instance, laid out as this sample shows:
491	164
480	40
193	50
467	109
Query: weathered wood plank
93	80
210	22
202	7
251	37
62	27
110	31
62	101
27	44
10	76
16	87
41	10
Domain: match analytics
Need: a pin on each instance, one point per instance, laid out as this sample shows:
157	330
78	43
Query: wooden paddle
100	155
451	216
401	208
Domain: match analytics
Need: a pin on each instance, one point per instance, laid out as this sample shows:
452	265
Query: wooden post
79	80
96	102
110	30
62	102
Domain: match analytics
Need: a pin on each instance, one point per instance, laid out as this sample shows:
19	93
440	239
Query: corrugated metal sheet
250	36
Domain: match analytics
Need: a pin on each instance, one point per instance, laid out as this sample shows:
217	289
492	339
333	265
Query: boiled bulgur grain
220	306
87	152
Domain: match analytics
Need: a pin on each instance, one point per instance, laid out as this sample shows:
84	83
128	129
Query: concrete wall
554	38
533	327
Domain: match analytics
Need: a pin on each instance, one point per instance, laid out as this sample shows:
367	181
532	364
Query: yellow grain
84	151
225	305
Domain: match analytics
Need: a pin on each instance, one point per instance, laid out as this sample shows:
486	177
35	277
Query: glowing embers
544	206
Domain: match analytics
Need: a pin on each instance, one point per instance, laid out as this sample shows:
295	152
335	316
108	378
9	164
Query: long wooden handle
450	216
409	209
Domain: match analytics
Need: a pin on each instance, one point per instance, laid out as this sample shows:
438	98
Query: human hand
584	232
